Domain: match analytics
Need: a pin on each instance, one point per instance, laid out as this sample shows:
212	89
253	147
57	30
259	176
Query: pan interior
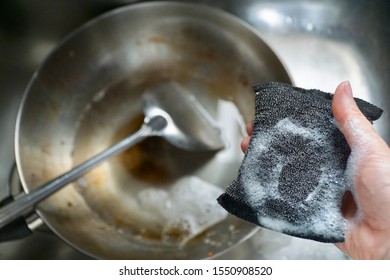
87	95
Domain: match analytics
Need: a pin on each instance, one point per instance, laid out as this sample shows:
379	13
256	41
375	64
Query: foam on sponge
292	178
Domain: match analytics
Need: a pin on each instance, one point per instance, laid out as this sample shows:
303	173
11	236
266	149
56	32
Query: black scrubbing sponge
292	178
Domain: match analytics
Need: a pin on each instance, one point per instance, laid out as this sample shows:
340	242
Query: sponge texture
292	178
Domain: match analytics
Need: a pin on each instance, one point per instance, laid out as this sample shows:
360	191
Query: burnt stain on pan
154	160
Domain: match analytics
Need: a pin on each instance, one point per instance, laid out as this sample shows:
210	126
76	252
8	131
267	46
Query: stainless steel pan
87	95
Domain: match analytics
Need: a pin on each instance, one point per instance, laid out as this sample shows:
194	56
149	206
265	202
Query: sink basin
320	42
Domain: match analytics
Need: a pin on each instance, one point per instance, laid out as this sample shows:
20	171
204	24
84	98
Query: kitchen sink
321	44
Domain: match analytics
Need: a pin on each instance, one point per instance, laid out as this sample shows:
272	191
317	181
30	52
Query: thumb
357	130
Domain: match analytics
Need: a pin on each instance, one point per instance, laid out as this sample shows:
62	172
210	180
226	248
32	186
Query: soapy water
190	207
185	210
175	212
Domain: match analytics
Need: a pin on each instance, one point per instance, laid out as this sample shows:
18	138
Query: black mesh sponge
292	178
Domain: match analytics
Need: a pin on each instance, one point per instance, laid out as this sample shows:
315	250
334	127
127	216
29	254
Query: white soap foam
359	148
231	122
264	186
286	125
358	152
269	188
222	168
185	210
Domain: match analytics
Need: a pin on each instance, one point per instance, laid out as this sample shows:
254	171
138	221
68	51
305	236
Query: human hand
369	163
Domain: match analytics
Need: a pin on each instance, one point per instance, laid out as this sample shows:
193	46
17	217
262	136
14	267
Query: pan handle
16	229
27	202
23	225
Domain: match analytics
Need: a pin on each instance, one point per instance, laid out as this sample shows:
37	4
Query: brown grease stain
158	39
154	160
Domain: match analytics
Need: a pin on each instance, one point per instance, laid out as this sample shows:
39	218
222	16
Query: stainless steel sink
321	43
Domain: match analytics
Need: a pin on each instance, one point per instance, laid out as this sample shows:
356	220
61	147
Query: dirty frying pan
87	95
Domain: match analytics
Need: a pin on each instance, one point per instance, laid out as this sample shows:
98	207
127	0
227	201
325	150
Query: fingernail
347	89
